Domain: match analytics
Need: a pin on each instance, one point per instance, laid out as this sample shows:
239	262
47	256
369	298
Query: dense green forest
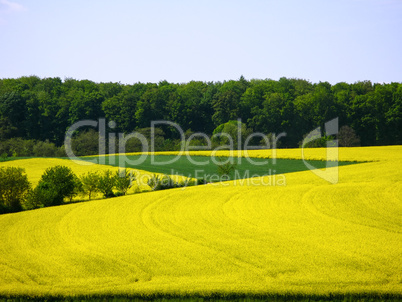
38	109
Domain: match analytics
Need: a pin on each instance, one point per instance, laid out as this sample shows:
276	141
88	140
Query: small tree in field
58	182
90	183
38	197
124	181
78	188
106	183
162	182
225	167
14	185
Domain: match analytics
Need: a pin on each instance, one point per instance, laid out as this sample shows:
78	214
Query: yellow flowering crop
35	167
308	236
345	153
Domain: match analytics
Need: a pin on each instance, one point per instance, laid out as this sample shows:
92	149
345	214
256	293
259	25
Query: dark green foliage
78	188
347	137
162	182
12	114
14	185
134	144
14	147
56	184
39	197
232	133
37	109
106	183
45	149
201	181
124	180
89	183
225	167
3	156
86	143
319	142
227	100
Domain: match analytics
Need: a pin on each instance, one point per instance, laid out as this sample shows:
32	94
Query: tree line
56	185
41	110
59	185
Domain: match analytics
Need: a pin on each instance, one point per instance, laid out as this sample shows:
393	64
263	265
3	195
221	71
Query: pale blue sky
210	40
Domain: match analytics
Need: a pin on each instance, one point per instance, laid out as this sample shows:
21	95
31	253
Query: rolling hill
306	236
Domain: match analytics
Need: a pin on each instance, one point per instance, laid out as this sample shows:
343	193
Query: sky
207	40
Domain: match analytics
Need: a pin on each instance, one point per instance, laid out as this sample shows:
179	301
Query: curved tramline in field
308	237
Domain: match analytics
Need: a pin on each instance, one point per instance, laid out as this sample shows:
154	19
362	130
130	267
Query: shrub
17	146
38	197
58	182
201	181
14	147
225	167
124	181
3	156
162	182
86	143
78	188
44	149
106	183
14	185
90	183
228	133
156	135
315	140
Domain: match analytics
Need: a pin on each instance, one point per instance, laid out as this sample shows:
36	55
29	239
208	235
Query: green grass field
204	167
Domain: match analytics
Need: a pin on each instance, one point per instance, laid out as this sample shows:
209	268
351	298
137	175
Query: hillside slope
306	237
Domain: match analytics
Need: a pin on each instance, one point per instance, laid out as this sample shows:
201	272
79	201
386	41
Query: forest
40	110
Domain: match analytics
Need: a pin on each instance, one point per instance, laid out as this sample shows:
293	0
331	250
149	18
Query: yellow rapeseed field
345	153
35	167
249	236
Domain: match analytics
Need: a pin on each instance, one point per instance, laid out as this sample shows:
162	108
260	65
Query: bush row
59	184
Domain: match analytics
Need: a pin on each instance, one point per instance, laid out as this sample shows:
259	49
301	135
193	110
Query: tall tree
227	101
